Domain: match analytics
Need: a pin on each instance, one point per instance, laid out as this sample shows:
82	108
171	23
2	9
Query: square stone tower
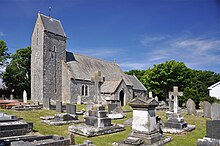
48	50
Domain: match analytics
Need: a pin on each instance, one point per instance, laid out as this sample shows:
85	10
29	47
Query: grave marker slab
46	103
59	106
207	109
191	107
70	108
25	96
215	111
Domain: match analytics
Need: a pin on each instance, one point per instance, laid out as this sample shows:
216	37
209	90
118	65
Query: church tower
48	50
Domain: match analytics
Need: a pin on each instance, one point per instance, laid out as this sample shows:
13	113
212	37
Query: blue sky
137	33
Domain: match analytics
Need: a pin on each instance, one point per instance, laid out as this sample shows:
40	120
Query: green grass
186	139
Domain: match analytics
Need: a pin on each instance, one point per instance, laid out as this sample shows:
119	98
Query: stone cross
25	96
150	94
98	82
175	93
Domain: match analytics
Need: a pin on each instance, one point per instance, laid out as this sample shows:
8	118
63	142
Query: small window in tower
83	90
86	90
54	48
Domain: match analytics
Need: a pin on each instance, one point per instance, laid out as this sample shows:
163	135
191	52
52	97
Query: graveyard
182	139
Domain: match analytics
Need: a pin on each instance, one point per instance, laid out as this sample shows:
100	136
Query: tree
4	55
162	77
17	74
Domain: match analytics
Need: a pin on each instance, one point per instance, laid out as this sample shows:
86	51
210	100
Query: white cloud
196	52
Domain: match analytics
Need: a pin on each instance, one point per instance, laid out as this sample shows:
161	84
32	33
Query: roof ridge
49	17
94	58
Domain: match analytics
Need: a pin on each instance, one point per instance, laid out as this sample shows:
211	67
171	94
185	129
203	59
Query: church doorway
121	97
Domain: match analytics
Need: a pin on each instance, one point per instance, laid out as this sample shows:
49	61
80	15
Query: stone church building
60	75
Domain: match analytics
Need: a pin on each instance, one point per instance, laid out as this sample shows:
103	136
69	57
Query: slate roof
214	85
137	85
83	67
110	86
52	25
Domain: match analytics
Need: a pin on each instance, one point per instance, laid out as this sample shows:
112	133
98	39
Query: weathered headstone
79	99
25	96
170	102
59	106
145	130
111	107
201	105
46	103
215	111
191	107
70	108
150	94
207	109
11	97
156	98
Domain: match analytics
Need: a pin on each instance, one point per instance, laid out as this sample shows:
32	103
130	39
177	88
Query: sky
137	33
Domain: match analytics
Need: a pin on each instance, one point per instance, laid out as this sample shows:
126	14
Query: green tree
17	74
162	77
4	55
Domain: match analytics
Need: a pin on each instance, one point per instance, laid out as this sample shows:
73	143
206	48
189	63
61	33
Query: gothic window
86	90
83	90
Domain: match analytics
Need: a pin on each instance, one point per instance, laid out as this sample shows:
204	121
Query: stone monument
191	107
97	121
207	109
212	137
25	96
145	130
176	121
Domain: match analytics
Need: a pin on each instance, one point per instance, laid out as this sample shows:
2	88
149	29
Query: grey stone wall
76	89
66	94
54	53
37	62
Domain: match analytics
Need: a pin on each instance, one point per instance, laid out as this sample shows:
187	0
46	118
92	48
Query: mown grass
186	139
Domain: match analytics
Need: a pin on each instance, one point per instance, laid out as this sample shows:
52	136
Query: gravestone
207	109
79	99
215	111
201	105
156	98
11	97
46	103
212	137
70	108
171	102
59	106
150	94
145	130
191	107
111	107
25	96
175	120
12	126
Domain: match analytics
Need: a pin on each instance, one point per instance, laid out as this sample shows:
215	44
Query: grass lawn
187	139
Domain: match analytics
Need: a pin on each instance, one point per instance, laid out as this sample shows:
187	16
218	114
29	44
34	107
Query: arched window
83	90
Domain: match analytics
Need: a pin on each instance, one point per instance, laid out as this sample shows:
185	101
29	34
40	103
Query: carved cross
98	82
175	93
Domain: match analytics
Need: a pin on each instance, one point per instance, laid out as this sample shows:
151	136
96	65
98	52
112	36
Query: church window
86	90
83	86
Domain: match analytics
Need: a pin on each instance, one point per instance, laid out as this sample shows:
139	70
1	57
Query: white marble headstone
25	96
